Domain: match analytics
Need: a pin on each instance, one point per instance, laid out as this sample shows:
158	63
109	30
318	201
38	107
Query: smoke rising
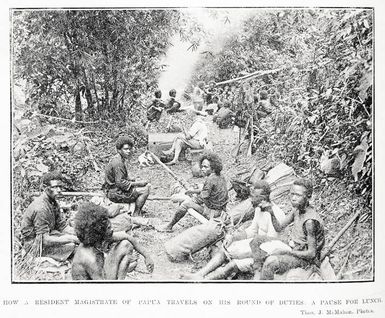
219	25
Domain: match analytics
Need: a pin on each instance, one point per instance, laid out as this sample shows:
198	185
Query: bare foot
191	276
171	163
166	228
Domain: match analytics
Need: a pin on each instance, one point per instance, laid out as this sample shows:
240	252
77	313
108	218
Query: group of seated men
101	250
157	105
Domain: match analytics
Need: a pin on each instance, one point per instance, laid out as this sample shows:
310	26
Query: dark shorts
59	253
119	196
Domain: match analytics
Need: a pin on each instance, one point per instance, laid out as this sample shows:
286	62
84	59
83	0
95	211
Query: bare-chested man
102	253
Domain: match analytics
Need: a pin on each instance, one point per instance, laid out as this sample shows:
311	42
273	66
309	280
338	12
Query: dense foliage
99	63
323	86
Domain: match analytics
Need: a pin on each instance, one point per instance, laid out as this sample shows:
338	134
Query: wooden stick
339	235
182	182
192	212
198	216
96	194
91	194
251	136
70	120
255	74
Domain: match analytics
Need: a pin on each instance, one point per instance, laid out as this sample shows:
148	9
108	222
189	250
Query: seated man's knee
272	262
132	266
125	247
147	189
232	265
187	204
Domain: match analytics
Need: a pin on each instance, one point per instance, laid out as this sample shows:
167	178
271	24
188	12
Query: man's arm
42	227
276	224
51	240
119	236
311	251
139	183
120	180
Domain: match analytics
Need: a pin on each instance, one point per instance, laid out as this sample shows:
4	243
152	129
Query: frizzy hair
91	223
53	175
124	140
215	161
307	184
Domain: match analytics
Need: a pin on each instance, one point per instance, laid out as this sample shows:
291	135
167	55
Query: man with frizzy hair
119	186
307	237
102	253
44	230
212	199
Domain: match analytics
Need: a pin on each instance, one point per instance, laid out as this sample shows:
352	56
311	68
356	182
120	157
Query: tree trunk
90	103
78	106
99	106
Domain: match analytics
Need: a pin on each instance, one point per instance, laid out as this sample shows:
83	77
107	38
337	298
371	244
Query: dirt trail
224	141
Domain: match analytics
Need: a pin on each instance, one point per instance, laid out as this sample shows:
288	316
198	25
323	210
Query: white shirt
198	131
198	95
262	224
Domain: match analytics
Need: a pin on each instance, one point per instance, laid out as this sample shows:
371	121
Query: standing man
120	188
212	199
210	92
44	230
307	237
198	96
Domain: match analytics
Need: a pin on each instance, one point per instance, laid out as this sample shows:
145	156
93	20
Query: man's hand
228	240
266	207
149	264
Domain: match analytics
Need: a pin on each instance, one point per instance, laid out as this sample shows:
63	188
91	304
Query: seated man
119	187
213	107
195	138
103	254
210	91
307	237
224	117
44	230
154	110
236	247
212	200
172	106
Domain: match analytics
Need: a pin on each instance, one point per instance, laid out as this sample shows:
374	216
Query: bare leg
217	260
279	264
171	150
123	267
181	212
117	262
141	200
223	272
178	148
